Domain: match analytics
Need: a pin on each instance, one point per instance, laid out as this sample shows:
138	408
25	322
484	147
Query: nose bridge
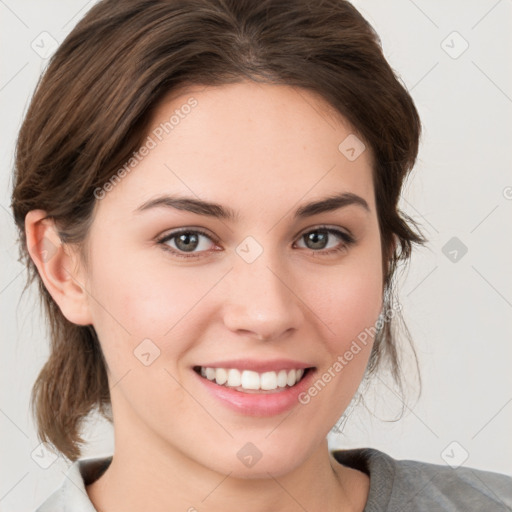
261	300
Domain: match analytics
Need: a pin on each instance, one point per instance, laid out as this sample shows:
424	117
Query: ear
59	267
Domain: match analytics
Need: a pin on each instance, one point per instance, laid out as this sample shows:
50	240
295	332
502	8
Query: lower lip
258	404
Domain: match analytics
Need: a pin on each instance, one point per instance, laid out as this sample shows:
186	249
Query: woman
206	192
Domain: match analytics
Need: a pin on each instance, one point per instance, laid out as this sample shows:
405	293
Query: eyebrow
216	210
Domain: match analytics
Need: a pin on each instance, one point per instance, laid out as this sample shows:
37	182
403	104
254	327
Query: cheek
347	300
131	292
151	302
349	312
133	313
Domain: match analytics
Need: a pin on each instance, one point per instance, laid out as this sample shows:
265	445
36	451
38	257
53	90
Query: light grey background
459	312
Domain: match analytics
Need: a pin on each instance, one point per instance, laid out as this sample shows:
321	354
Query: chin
261	459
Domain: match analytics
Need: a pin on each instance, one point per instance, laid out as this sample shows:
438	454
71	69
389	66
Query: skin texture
262	150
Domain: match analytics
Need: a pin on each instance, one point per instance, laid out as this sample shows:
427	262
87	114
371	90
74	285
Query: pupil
317	237
185	237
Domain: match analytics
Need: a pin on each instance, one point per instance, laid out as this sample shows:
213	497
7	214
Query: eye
189	243
318	240
186	241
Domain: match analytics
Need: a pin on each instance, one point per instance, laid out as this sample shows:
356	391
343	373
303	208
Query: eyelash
347	239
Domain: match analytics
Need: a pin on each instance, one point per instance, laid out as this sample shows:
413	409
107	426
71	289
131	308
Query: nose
260	301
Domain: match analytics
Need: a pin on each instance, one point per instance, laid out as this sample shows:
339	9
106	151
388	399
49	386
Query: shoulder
415	485
72	496
442	486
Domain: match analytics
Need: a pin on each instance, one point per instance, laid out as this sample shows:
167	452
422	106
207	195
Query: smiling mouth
248	381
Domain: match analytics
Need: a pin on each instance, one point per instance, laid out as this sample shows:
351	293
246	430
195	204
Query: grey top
395	485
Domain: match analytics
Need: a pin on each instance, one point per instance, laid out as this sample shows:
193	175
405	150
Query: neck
167	480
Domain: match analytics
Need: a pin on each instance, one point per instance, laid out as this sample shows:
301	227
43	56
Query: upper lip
258	366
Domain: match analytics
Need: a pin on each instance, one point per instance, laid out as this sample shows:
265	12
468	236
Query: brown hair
91	110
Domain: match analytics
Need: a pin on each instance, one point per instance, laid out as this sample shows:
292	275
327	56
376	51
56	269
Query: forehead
247	143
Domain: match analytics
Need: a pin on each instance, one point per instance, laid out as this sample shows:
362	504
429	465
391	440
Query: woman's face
260	294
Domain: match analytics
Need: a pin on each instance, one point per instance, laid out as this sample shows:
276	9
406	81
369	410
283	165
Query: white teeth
221	376
268	380
291	378
234	378
251	380
282	378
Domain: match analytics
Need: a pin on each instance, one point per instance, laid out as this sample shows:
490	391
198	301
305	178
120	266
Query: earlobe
58	266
